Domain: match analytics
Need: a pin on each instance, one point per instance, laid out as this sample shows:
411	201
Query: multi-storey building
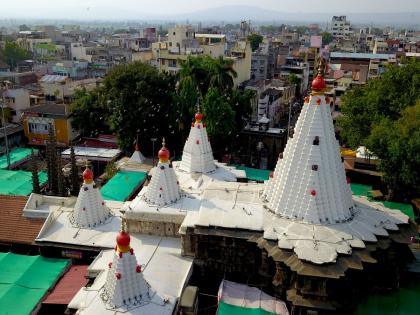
340	27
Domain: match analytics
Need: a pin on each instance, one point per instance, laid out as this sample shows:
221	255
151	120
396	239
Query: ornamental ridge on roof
163	188
90	209
197	156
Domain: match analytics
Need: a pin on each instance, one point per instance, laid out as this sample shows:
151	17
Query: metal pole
6	141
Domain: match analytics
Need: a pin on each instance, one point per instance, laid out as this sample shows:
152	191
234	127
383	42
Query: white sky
119	8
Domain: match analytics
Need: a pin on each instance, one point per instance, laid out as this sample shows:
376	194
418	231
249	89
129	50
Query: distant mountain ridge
226	14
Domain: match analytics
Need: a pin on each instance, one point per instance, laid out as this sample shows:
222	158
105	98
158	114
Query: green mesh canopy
16	155
24	280
121	186
18	183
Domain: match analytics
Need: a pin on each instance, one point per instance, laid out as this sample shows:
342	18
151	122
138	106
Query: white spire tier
90	209
197	156
137	157
309	182
125	285
163	188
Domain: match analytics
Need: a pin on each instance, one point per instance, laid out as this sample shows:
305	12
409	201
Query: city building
340	27
37	119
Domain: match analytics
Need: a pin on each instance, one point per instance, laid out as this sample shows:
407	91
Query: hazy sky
119	8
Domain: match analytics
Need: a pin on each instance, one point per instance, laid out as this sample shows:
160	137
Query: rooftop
122	185
26	279
97	154
362	55
17	156
48	109
15	227
18	183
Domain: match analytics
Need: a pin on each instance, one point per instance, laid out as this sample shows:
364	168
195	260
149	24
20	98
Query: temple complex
302	236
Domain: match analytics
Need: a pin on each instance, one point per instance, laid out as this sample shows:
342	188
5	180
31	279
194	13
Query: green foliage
220	118
374	115
139	98
110	170
380	98
294	79
12	54
326	38
397	144
255	40
90	112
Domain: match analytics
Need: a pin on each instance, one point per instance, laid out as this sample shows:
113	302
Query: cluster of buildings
301	238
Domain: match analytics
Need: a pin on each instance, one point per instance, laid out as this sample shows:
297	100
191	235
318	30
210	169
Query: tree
35	179
397	145
294	79
219	117
52	162
139	98
326	38
384	97
74	176
255	40
90	112
380	116
12	54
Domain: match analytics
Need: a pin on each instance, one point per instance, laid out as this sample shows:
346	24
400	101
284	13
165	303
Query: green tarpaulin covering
16	155
122	185
255	173
404	301
18	183
227	309
362	190
25	280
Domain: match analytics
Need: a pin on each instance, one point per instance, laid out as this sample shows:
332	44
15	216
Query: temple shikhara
302	238
90	209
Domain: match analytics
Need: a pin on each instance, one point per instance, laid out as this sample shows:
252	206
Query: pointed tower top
87	175
123	238
137	146
198	117
164	154
318	84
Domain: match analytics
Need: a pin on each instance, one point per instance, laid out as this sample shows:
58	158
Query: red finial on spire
87	175
163	154
318	84
199	117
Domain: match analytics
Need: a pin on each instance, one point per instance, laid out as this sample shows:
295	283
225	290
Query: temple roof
90	209
125	286
197	156
163	188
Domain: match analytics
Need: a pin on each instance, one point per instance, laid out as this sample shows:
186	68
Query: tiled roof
68	285
14	227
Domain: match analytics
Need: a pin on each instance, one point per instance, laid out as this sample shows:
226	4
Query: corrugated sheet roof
68	285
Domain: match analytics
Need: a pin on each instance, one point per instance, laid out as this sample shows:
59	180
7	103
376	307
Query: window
38	128
314	167
316	141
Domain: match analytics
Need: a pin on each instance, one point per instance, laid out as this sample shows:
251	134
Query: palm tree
222	74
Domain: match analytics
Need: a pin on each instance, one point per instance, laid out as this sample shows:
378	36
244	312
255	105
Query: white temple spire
197	156
125	285
309	182
90	209
163	188
137	157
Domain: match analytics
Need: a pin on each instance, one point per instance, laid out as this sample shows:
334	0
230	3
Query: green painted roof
25	280
254	173
16	155
18	183
362	190
122	185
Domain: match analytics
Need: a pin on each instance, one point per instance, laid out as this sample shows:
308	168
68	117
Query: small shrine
90	209
137	156
163	188
197	156
125	286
